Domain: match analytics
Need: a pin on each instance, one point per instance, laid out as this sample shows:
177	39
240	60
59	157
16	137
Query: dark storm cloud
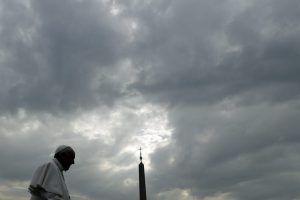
200	51
239	154
52	51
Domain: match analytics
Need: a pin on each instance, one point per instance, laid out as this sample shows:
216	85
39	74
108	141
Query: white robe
48	182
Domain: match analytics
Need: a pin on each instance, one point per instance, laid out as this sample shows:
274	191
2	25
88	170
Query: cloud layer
209	89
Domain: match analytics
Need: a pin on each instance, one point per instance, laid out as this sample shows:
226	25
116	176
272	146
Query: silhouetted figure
48	181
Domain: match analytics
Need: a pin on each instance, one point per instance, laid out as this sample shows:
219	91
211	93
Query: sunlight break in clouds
176	194
146	126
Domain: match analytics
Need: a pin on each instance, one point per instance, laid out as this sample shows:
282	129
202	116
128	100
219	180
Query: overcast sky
209	89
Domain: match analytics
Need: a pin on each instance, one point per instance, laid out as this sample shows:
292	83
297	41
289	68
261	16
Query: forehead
71	154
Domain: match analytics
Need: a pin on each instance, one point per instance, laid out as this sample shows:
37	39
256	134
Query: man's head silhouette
65	155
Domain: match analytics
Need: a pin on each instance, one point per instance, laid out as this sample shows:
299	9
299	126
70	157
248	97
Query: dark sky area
209	89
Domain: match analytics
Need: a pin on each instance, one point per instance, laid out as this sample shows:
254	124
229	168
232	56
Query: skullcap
61	148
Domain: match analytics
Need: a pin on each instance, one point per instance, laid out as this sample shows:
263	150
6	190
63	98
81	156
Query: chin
66	168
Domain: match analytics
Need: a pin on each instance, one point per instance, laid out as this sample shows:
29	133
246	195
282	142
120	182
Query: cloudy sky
209	89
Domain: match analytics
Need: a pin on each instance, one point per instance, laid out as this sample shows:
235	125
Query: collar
60	167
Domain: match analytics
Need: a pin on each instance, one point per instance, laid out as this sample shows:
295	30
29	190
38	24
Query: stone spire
142	182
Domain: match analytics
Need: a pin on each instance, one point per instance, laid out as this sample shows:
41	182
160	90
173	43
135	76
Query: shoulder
44	168
46	164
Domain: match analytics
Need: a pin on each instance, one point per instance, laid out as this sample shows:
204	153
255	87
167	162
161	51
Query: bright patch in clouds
21	124
146	126
176	194
114	8
221	196
14	189
186	194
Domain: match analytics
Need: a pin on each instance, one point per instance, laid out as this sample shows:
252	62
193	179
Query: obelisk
142	182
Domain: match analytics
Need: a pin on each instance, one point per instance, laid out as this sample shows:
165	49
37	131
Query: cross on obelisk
141	154
142	183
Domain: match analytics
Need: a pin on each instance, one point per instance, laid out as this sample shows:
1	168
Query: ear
62	155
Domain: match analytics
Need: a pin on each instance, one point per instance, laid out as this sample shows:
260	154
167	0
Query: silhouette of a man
48	181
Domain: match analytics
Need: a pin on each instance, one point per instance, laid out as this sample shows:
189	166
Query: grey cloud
55	53
214	152
218	52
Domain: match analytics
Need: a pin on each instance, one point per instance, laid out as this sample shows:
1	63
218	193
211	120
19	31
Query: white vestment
48	182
